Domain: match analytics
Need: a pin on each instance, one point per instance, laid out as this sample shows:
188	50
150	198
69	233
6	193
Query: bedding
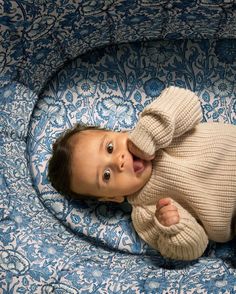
100	62
109	87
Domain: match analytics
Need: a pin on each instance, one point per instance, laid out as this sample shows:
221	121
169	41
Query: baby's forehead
75	138
86	137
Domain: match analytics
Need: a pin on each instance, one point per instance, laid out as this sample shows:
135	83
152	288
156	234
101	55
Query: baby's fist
167	213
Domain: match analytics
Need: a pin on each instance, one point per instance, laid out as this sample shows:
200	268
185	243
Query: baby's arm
184	240
172	114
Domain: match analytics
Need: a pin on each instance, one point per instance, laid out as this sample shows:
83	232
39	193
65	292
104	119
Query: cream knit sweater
195	165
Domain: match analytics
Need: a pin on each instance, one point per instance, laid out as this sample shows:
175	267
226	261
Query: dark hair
59	167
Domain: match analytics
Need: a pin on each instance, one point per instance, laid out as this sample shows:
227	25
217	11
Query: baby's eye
110	148
106	175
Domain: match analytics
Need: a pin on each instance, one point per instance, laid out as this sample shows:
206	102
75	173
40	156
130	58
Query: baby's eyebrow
100	149
102	142
97	180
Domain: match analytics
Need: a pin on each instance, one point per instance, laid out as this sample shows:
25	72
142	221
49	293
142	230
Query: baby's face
102	166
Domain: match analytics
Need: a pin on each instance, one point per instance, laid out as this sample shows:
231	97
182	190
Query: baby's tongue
138	164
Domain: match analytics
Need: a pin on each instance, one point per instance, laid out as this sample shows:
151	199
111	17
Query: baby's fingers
137	152
169	219
163	202
167	213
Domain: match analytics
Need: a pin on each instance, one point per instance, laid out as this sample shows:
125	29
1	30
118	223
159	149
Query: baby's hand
137	152
166	213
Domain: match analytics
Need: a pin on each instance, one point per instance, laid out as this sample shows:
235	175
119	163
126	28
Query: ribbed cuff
143	140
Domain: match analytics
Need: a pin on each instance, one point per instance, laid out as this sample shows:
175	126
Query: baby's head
96	163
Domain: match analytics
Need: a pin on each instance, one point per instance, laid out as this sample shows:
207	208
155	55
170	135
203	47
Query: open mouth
138	164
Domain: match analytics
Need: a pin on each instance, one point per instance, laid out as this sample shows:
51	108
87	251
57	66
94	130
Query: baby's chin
143	177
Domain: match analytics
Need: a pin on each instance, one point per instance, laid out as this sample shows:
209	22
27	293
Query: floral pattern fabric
47	243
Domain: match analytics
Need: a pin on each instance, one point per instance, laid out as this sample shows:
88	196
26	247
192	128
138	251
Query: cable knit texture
194	165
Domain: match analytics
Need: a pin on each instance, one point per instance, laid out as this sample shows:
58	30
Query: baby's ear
117	199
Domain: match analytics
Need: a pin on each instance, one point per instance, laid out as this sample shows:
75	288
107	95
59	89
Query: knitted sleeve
186	240
172	114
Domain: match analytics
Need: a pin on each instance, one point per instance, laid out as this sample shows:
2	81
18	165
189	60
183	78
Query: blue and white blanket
61	63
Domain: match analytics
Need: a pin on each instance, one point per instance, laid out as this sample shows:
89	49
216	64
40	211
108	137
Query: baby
178	174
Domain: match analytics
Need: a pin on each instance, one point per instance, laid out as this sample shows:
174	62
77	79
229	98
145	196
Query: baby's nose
120	161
